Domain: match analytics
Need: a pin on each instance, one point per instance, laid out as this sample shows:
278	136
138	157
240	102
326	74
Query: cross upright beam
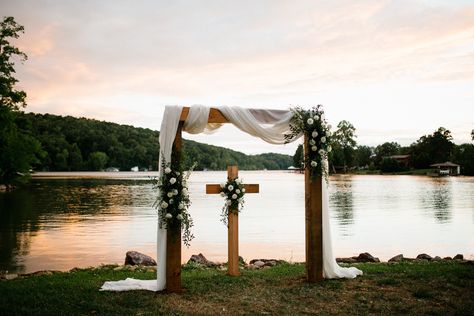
232	221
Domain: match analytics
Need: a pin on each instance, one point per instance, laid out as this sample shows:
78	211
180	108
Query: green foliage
433	148
391	165
19	150
363	156
385	150
344	145
298	157
464	156
97	160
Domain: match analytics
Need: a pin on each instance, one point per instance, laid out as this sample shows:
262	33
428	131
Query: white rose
178	173
181	206
316	117
310	121
312	142
329	148
328	134
243	190
230	187
237	191
234	196
175	192
173	180
167	170
222	185
323	139
180	217
164	204
238	181
184	191
313	163
171	201
170	194
168	216
314	134
314	148
222	194
322	152
228	202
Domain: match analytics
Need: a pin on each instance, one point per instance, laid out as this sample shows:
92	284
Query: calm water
63	223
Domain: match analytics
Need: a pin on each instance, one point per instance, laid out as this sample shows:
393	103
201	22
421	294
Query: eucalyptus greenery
173	201
233	191
318	134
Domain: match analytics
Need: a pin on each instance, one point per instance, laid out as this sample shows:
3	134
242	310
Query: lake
66	220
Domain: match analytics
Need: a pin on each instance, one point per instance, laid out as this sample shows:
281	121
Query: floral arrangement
233	191
173	201
318	134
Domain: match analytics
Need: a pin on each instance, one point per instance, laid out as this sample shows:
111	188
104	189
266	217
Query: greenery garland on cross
318	133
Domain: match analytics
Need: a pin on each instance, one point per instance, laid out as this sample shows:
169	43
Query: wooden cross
233	221
313	217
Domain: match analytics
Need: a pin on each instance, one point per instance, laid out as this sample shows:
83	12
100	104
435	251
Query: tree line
427	150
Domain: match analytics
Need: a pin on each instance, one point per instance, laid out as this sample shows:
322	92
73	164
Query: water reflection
441	196
341	201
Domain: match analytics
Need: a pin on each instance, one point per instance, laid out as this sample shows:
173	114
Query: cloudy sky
395	69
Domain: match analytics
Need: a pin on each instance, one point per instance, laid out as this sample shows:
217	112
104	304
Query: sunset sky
395	69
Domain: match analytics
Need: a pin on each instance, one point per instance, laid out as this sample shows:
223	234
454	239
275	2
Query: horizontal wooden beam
215	116
216	188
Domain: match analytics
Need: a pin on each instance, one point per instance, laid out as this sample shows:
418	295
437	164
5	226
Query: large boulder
458	257
424	256
397	258
135	258
366	257
200	259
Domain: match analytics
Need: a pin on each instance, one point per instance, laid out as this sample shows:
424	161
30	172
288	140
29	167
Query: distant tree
97	160
385	150
362	156
391	165
344	144
433	148
472	134
19	150
298	157
464	156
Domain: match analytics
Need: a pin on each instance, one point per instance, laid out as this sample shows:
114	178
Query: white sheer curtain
269	125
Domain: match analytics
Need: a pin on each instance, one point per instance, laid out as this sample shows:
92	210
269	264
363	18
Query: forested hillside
73	144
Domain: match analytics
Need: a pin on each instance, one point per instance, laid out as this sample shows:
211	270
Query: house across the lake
403	160
447	168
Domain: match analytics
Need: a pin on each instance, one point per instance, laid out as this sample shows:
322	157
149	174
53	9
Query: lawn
408	288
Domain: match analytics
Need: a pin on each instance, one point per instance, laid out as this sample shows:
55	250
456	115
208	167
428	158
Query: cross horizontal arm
216	188
215	116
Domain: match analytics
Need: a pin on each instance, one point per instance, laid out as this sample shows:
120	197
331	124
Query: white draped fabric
269	125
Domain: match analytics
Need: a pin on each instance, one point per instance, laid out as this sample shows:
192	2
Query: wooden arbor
313	218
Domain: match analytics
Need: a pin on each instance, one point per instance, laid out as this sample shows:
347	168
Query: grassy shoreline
413	288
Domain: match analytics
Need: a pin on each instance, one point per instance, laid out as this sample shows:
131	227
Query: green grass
413	288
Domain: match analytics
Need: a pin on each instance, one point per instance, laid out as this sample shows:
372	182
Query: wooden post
173	236
314	223
232	221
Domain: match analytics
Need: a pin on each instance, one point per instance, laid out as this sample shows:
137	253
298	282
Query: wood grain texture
313	224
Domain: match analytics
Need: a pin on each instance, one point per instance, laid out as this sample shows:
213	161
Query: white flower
313	163
230	187
175	192
316	117
164	204
238	181
310	121
222	185
168	216
314	148
240	200
328	134
170	194
234	196
329	126
323	117
184	191
181	206
180	217
243	190
178	173
222	194
237	191
171	201
173	180
167	170
314	134
228	202
322	152
323	139
329	148
312	142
